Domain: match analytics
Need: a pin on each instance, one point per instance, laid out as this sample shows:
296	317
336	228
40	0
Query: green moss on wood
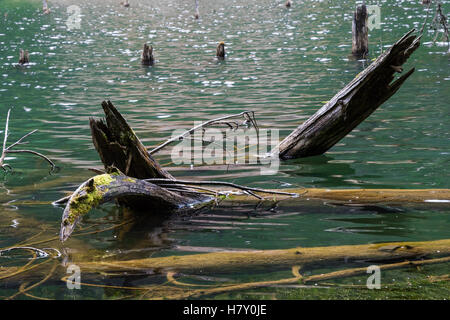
90	196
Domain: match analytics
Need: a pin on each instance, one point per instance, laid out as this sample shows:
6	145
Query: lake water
282	64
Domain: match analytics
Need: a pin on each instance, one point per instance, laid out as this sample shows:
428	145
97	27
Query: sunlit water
282	64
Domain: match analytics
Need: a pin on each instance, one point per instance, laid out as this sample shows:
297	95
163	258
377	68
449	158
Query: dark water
282	64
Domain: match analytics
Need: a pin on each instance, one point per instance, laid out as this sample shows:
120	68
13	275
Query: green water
282	64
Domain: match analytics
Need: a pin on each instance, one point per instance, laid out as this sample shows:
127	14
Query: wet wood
360	32
179	195
108	187
118	146
147	56
364	196
220	51
317	256
23	57
352	105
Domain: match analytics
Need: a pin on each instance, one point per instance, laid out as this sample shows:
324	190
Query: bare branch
7	150
35	153
20	140
219	183
249	116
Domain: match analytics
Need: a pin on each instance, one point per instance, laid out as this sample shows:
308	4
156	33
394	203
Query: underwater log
352	105
251	259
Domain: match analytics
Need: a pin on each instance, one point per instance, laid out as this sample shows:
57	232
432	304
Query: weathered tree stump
360	32
220	51
24	57
352	105
118	146
147	56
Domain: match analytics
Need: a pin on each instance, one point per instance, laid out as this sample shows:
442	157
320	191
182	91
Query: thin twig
35	153
7	150
219	183
248	116
426	18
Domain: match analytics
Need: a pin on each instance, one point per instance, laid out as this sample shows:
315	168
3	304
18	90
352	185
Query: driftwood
352	105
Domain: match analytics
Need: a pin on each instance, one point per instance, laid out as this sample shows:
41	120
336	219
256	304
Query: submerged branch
313	256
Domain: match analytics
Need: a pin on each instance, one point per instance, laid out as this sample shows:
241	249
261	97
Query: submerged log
352	105
317	256
360	32
170	196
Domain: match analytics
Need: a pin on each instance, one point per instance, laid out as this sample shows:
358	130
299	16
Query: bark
108	187
360	32
147	56
352	105
118	146
317	256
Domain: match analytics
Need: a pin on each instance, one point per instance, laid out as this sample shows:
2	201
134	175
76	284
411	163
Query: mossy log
316	256
352	105
175	197
115	186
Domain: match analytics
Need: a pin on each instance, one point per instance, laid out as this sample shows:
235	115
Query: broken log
360	32
119	147
352	105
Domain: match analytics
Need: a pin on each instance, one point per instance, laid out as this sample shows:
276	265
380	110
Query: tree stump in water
360	32
147	56
23	58
220	51
352	105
